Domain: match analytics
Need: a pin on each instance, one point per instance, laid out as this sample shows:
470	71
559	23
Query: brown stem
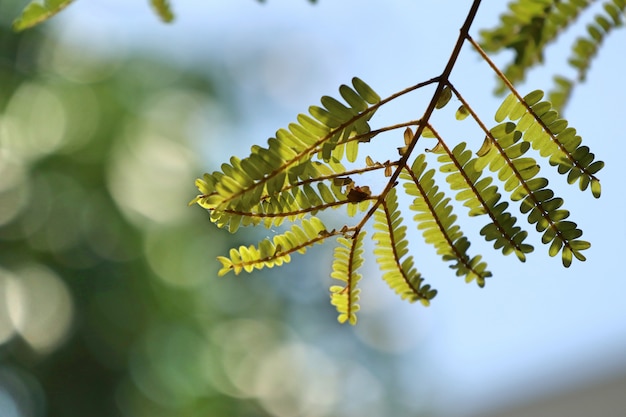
442	82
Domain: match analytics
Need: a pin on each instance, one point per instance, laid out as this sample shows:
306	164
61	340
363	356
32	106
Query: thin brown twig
442	81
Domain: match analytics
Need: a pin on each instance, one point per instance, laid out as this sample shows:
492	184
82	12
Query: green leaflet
444	98
434	216
163	9
462	113
276	251
365	91
550	135
481	197
36	12
275	182
348	258
391	254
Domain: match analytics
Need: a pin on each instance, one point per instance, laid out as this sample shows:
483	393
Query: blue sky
535	327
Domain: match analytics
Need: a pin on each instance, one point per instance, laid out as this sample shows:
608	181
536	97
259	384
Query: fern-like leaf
482	197
434	216
276	251
275	183
323	191
586	47
503	152
391	250
348	257
552	137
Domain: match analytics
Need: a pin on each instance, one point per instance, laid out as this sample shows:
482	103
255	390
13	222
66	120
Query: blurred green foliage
109	305
38	11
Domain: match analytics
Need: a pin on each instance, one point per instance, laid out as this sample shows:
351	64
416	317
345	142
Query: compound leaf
434	216
391	250
348	257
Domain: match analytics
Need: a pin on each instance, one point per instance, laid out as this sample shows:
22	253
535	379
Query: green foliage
112	313
550	135
434	216
163	9
391	253
276	251
527	28
37	12
299	172
481	196
530	25
586	47
313	165
300	175
504	157
106	292
348	257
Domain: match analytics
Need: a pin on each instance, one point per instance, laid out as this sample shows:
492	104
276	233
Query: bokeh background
109	301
